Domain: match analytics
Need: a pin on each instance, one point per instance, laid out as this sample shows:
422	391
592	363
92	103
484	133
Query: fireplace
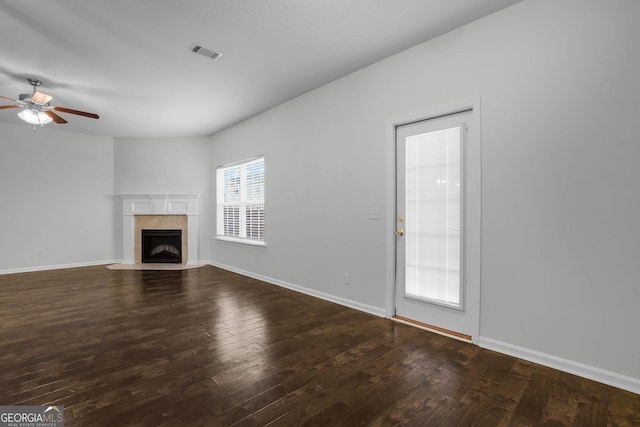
160	212
161	246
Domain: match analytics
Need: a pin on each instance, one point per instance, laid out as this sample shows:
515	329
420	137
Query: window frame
242	203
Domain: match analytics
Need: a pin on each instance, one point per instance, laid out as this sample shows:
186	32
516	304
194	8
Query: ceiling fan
36	107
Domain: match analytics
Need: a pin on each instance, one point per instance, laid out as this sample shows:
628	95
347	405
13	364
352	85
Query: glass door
430	225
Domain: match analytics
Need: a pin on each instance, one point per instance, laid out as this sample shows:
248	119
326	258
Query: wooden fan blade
6	97
79	113
56	118
9	106
41	98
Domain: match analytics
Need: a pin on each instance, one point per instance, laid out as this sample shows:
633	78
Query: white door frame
473	190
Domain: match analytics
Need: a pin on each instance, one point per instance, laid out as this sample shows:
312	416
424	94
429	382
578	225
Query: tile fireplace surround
160	211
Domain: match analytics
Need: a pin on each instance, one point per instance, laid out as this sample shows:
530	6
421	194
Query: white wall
559	89
322	175
56	194
164	166
560	213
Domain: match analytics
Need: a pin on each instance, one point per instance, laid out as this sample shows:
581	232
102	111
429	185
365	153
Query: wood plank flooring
212	348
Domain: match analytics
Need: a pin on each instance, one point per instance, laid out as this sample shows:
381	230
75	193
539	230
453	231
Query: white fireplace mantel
161	204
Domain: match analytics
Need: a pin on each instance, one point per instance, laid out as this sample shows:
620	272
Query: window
240	201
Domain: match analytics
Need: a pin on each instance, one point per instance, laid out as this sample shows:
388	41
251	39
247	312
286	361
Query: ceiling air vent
209	53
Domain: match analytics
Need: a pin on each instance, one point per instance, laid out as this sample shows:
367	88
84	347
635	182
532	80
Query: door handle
400	232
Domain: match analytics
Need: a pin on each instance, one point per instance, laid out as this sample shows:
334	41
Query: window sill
245	242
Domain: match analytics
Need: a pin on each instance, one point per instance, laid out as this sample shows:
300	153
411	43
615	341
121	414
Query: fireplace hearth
161	246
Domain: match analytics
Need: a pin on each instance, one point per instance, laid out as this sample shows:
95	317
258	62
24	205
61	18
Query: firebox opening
162	246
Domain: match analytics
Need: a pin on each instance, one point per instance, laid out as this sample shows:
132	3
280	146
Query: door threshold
436	329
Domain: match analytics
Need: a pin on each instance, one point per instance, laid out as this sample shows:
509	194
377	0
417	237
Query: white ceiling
129	62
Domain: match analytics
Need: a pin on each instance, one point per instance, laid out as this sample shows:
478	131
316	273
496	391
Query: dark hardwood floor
209	347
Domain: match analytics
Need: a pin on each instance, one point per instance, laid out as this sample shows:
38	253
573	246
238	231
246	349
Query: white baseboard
57	266
603	376
380	312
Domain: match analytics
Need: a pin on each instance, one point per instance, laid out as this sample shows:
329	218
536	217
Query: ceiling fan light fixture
34	117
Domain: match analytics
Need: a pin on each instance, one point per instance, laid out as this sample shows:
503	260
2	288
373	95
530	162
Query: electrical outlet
374	213
40	253
347	279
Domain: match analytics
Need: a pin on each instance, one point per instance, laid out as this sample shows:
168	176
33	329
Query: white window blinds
240	201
